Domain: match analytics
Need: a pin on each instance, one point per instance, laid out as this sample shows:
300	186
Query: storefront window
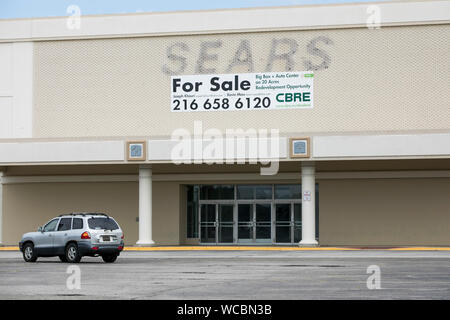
250	192
288	191
217	192
192	212
317	211
245	192
263	192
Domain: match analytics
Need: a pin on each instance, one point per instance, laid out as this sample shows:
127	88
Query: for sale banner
244	91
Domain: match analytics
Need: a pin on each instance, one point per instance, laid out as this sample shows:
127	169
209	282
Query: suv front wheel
29	254
72	253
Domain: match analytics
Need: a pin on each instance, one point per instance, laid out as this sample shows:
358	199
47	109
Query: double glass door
250	222
254	223
217	223
288	222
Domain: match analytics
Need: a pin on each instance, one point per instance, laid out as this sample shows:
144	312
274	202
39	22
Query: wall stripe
214	177
381	145
68	151
323	147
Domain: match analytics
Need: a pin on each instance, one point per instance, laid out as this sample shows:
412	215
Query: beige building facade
76	96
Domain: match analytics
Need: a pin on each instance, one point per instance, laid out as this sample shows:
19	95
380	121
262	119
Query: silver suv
72	236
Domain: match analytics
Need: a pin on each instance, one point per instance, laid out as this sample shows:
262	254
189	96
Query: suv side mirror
40	229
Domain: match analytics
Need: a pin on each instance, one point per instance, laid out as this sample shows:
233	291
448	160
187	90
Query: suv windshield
102	223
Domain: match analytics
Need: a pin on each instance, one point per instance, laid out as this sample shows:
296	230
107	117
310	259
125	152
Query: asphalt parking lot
233	275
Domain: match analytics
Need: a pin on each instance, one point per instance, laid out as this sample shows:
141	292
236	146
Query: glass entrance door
208	223
216	223
245	224
263	223
288	222
297	222
225	223
254	223
283	224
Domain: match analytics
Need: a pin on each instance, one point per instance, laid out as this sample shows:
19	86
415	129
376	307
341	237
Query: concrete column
308	205
145	206
1	207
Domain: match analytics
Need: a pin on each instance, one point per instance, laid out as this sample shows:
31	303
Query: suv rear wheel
29	254
72	253
109	258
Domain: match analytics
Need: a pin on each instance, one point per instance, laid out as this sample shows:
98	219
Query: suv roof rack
84	214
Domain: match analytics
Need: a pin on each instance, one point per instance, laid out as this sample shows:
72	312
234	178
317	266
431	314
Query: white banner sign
244	91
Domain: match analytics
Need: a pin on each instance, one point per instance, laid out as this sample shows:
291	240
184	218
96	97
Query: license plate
106	238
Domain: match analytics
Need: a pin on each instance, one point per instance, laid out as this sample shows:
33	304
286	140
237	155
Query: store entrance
254	223
288	222
250	223
217	223
249	214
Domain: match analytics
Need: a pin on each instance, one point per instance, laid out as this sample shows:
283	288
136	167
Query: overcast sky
46	8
